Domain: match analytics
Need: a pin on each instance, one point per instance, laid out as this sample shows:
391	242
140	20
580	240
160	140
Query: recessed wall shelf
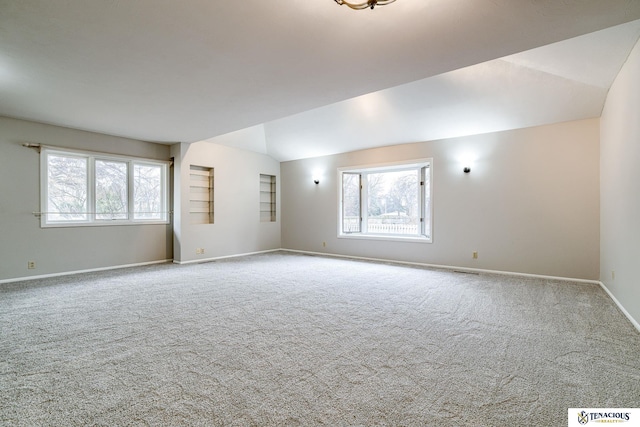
201	195
267	198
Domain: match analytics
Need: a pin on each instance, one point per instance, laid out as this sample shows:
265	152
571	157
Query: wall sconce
316	175
467	160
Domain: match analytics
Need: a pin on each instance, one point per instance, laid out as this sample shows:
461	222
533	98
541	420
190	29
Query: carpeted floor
295	340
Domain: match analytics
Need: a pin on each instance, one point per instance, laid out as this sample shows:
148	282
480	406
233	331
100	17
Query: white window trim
92	156
381	167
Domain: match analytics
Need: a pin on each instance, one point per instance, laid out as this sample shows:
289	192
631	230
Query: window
267	198
80	188
112	201
387	201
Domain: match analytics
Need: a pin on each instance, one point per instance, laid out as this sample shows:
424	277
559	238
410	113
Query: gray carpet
287	339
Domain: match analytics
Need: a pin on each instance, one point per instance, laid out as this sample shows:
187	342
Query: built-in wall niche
267	198
201	195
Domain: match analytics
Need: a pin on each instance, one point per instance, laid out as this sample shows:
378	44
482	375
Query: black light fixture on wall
317	175
467	160
369	4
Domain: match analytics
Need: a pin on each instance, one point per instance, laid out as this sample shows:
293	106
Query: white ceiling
308	77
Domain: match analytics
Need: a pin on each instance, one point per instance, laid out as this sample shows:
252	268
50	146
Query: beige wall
57	250
620	188
529	205
237	228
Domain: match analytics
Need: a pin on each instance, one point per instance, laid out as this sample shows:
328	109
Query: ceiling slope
563	81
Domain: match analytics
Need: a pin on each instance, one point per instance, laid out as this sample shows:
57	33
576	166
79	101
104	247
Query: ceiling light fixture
368	4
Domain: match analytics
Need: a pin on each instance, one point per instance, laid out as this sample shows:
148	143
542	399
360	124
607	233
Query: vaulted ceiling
301	78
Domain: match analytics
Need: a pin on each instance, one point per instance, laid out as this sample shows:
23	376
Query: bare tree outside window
351	203
83	188
111	190
67	188
147	192
387	200
394	202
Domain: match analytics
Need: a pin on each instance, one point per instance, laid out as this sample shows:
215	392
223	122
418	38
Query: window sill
407	239
114	223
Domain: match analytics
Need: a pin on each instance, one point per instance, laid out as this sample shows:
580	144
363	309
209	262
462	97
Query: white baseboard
477	270
622	309
197	261
419	264
90	270
449	267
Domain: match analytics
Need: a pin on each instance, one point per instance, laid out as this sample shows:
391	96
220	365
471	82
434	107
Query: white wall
529	205
237	228
620	187
57	250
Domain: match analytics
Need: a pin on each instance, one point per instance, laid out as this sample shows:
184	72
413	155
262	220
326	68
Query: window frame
423	167
91	214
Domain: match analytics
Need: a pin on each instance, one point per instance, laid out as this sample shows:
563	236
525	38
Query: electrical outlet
475	254
613	275
324	244
31	265
199	251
